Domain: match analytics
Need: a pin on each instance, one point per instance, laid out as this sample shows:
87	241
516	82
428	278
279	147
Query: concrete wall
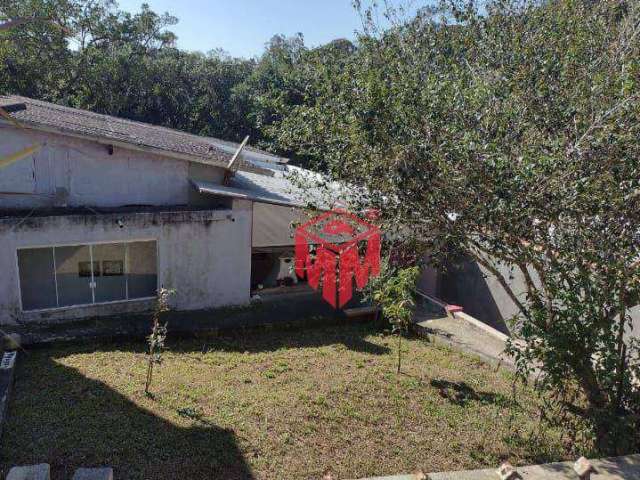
91	176
482	296
479	293
204	255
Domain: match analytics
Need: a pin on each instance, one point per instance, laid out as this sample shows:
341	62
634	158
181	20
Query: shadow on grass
460	393
256	340
63	418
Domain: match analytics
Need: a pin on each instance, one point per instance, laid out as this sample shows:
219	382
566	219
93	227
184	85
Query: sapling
395	295
158	334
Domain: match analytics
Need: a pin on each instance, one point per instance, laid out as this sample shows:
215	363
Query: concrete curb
102	473
7	369
460	315
474	321
614	468
30	472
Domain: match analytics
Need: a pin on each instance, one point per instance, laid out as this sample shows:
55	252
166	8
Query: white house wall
89	174
204	255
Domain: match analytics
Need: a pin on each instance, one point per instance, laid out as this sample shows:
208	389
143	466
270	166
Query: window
273	267
52	277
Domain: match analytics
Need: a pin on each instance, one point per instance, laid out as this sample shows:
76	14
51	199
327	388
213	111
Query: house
98	212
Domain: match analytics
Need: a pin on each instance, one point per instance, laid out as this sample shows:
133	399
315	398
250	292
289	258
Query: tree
508	135
34	54
89	54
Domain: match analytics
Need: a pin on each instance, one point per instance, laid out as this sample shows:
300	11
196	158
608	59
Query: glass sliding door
75	272
109	259
76	275
142	269
37	278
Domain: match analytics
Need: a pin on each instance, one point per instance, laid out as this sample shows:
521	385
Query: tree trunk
599	403
399	350
149	375
622	355
589	384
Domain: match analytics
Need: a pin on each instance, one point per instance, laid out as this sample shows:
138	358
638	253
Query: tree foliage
89	54
508	134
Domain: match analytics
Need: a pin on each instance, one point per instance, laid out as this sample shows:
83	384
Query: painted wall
91	176
479	293
204	255
482	296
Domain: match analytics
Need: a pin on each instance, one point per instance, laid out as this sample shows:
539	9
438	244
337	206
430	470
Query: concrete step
615	468
30	472
104	473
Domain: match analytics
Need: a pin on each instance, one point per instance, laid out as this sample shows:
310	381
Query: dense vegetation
88	54
507	133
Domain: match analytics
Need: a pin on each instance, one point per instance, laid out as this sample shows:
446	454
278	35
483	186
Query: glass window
85	274
110	282
142	271
73	274
37	278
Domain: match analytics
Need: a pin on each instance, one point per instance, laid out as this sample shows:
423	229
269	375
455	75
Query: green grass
269	405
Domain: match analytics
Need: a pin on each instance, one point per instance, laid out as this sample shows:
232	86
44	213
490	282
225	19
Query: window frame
90	245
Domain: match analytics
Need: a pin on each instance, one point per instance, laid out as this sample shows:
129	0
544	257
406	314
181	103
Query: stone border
7	369
613	468
487	328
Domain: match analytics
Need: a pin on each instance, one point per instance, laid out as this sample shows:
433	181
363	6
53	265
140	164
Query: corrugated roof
292	186
107	128
234	192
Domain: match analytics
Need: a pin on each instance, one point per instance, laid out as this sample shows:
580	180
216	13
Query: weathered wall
482	296
479	293
204	255
429	281
90	175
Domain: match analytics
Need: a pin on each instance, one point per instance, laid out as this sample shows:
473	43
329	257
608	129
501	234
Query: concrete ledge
30	472
105	473
7	368
615	468
296	310
474	321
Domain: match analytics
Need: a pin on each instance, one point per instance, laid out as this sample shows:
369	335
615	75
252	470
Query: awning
243	194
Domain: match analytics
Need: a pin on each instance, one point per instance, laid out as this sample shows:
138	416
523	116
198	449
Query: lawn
269	405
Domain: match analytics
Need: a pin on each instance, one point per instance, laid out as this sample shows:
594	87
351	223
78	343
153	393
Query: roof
255	187
105	128
288	186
